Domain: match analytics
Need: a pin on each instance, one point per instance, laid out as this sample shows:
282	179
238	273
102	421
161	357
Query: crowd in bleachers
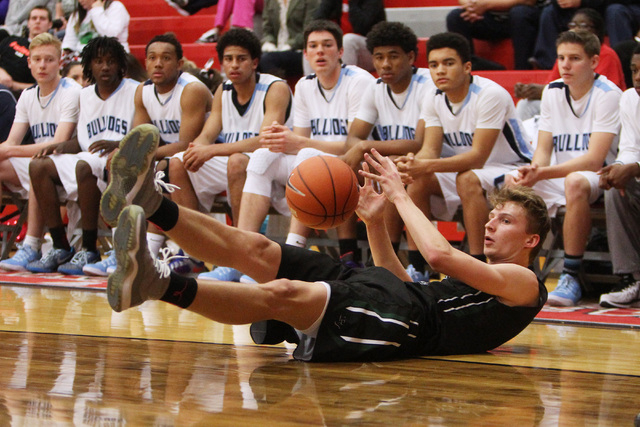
73	92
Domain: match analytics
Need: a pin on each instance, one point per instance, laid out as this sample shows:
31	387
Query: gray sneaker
138	277
132	175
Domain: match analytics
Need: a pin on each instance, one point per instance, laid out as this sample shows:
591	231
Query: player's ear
532	241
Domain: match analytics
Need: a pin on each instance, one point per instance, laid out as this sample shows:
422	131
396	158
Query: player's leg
184	195
139	278
89	204
44	181
30	249
576	229
236	178
475	211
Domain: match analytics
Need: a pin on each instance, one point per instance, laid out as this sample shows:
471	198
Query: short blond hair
46	39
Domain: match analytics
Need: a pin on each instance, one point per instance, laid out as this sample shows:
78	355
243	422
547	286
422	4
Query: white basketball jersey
44	114
487	106
166	112
571	122
328	113
629	148
239	122
395	119
109	119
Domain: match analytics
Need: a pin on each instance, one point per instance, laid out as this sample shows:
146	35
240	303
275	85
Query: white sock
155	242
294	239
34	242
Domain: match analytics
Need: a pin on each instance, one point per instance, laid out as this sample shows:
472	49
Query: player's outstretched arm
370	209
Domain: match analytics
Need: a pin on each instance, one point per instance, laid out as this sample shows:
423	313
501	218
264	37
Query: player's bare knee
237	166
177	172
38	168
576	186
83	171
468	185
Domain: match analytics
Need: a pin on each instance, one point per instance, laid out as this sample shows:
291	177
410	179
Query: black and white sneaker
626	294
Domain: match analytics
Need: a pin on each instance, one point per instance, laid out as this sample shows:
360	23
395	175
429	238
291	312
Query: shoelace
51	254
563	285
162	264
160	184
22	253
80	258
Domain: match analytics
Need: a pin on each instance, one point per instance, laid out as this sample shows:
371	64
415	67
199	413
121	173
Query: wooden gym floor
66	360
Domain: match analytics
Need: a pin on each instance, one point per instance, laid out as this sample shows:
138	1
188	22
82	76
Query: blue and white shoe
567	293
101	268
183	264
23	256
51	261
222	274
246	279
415	275
77	263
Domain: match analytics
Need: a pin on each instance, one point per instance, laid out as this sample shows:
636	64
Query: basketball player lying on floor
339	314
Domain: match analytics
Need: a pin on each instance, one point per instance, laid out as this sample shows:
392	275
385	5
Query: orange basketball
322	192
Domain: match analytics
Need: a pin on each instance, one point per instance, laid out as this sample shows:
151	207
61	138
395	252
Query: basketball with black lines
322	192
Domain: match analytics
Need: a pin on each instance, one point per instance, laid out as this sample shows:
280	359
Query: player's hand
354	157
389	178
617	176
411	167
103	147
195	156
371	202
509	180
527	175
51	149
280	139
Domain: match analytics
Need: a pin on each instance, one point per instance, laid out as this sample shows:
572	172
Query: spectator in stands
392	108
177	103
16	22
498	20
282	42
73	70
14	51
623	21
93	18
50	110
554	19
609	64
475	119
73	171
579	125
217	159
135	70
363	15
241	12
622	200
325	106
190	7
